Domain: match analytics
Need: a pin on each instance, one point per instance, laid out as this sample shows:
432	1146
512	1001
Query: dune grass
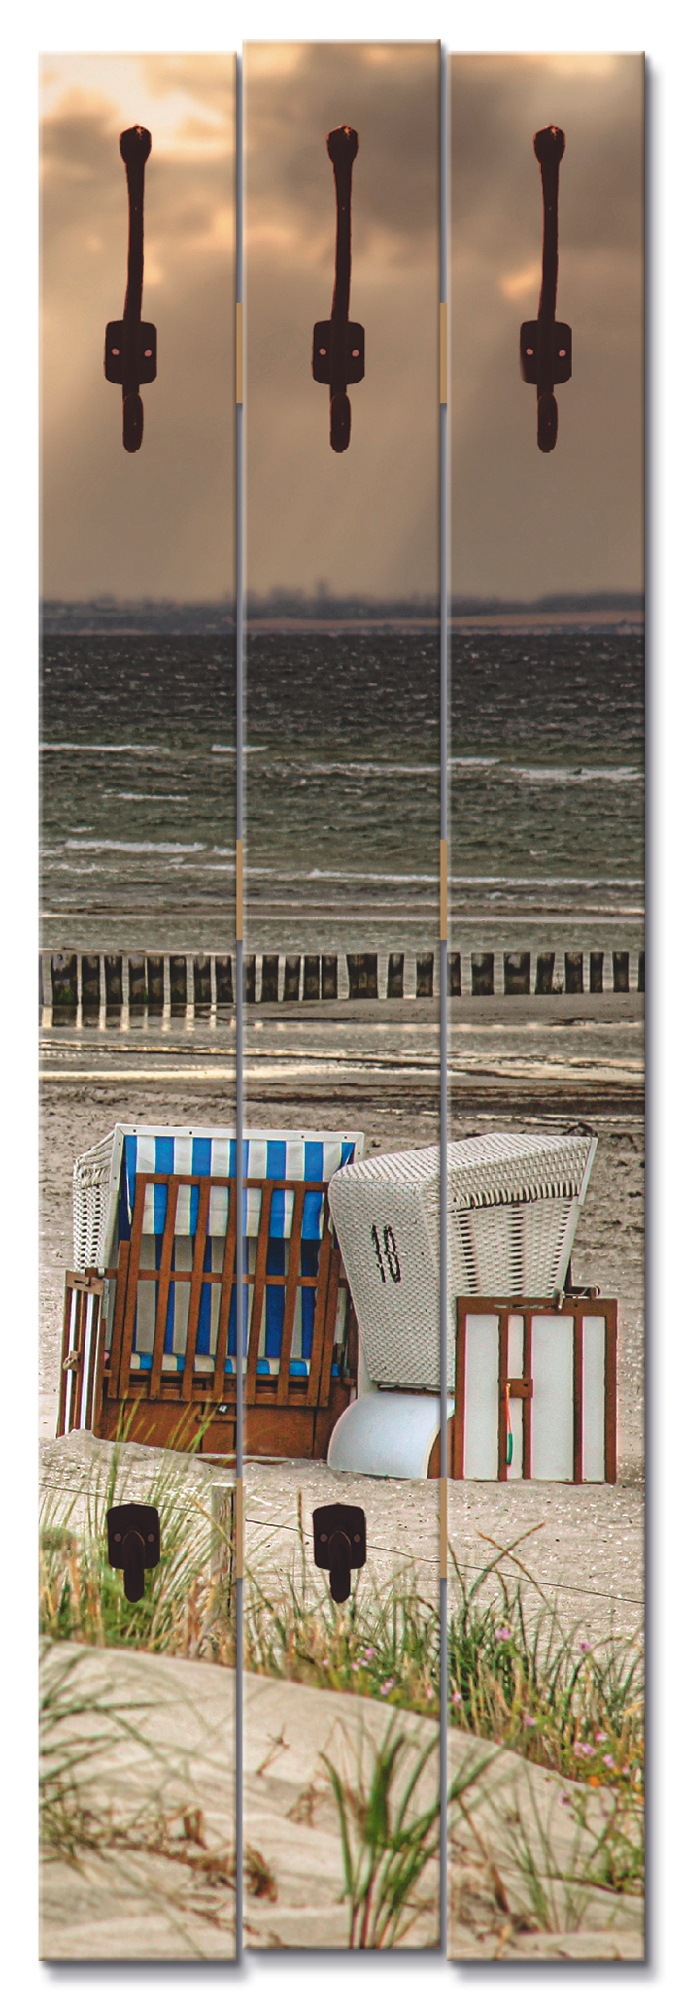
516	1676
517	1679
85	1814
387	1841
537	1869
390	1828
188	1603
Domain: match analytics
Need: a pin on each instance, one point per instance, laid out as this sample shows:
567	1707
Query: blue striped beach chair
150	1333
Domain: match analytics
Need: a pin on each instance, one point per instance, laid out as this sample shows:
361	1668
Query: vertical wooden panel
343	679
578	1399
137	810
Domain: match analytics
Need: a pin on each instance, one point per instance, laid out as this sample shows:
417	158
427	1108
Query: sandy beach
554	1064
342	706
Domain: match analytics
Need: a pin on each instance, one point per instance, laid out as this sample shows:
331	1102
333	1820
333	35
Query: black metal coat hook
130	350
339	1544
546	342
338	342
133	1544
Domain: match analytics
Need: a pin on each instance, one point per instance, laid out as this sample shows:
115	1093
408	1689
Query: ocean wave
565	774
473	761
214	859
116	749
333	875
280	764
455	881
351	767
283	762
546	881
152	798
140	846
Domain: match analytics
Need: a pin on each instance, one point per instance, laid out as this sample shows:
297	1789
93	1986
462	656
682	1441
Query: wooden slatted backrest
290	1284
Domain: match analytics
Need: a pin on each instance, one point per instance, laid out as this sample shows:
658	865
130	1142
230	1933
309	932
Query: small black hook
339	1541
133	1545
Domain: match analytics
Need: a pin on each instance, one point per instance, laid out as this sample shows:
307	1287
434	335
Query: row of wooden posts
154	980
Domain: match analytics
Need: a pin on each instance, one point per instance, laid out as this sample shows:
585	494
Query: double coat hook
339	342
546	342
130	350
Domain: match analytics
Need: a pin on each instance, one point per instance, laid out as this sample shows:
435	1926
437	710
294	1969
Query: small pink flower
583	1749
601	1735
355	1669
609	1761
529	1721
503	1632
584	1646
370	1653
456	1697
386	1687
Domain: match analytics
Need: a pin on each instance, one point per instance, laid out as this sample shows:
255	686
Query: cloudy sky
366	520
157	524
525	522
160	523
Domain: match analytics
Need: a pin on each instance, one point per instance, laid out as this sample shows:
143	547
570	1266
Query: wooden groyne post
156	981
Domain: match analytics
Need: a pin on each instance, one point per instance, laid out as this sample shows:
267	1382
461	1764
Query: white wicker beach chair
513	1201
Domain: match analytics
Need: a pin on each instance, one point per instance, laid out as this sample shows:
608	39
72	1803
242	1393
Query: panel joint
239	1527
443	1529
443	891
239	352
239	891
443	352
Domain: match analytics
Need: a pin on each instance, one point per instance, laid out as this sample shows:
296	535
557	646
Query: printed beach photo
138	1745
341	232
252	924
546	1594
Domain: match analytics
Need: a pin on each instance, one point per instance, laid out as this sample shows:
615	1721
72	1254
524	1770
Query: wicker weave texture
91	1187
513	1208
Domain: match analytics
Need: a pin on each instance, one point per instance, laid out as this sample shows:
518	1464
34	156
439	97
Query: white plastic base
387	1434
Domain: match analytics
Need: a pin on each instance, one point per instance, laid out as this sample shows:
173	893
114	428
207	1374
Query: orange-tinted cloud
158	524
161	523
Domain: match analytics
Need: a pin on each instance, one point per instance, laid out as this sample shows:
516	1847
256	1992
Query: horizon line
302	603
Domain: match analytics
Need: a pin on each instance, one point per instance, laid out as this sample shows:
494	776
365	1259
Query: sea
342	744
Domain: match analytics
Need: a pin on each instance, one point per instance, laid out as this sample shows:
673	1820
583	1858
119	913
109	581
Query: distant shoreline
483	621
626	621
